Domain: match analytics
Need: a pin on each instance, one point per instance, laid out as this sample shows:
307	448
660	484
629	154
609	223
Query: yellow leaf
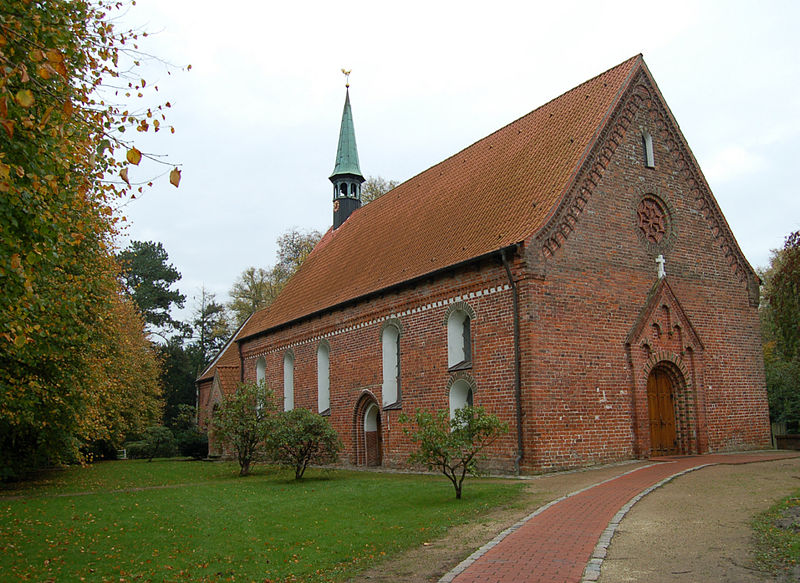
124	175
15	262
44	71
134	156
24	97
175	177
54	56
8	126
68	108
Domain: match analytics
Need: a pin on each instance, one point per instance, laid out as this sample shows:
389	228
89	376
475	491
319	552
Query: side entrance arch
368	432
661	408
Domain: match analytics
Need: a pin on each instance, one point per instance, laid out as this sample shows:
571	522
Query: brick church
571	273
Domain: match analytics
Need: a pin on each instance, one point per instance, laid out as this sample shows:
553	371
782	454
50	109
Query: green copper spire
347	153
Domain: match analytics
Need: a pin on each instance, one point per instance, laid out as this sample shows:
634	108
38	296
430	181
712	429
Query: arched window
261	377
390	341
288	381
647	144
261	370
460	396
459	342
323	377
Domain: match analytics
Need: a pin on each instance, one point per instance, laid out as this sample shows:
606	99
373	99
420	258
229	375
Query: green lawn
778	549
197	521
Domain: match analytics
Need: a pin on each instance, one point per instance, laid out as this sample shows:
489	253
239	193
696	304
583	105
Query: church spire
346	177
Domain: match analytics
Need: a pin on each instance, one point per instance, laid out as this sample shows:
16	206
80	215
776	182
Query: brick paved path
556	543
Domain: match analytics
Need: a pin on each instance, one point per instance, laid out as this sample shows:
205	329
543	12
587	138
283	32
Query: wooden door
662	414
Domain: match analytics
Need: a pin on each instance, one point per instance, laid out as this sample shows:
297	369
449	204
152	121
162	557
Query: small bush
157	441
453	446
300	437
193	443
243	421
137	450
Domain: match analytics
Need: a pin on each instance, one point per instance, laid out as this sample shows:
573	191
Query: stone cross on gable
661	271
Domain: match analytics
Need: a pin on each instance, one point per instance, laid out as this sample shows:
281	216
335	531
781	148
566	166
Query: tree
375	187
159	441
63	170
243	421
148	277
300	437
211	328
453	447
782	294
254	289
125	376
190	440
780	323
257	288
293	248
182	363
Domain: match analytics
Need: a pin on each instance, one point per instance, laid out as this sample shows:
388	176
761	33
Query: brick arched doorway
368	434
661	409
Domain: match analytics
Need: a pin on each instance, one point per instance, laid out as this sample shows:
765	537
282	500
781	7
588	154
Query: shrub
453	447
193	443
243	420
159	442
300	437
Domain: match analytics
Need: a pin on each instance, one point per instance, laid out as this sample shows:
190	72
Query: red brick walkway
556	543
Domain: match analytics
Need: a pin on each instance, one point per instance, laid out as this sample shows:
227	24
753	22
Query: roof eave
383	290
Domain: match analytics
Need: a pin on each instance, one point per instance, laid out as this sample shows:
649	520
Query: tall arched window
261	370
460	396
390	341
459	342
323	377
288	381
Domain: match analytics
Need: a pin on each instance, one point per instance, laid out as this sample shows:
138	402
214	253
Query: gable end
641	93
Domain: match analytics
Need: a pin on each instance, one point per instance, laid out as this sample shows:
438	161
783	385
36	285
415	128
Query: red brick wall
354	335
585	389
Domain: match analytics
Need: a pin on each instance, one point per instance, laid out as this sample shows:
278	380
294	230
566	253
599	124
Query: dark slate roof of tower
347	152
491	195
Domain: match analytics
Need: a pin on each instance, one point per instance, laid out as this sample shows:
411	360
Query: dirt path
695	528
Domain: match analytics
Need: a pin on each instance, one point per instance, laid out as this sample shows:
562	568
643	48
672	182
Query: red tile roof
229	377
228	356
493	194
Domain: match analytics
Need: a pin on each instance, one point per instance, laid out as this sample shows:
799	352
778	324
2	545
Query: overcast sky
258	116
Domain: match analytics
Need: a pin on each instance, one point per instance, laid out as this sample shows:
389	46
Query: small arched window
459	340
460	396
261	370
647	144
390	341
288	381
323	377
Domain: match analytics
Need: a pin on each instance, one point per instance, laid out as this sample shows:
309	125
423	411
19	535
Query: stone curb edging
592	571
466	563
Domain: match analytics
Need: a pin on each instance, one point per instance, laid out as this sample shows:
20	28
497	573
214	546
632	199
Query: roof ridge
523	116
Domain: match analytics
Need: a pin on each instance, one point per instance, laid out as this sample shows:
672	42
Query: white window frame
288	381
390	347
323	377
459	339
